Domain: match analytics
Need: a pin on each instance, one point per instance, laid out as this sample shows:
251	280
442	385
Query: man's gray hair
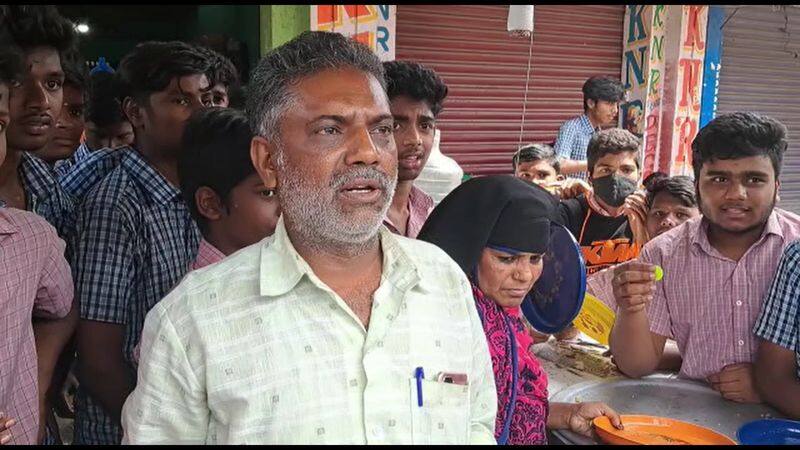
306	55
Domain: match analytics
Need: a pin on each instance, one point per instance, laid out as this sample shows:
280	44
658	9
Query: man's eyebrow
382	118
334	117
756	173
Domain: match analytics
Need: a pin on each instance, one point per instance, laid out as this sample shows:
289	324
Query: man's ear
208	203
134	112
590	104
777	191
263	155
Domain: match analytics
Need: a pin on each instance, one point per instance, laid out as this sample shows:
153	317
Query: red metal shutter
485	69
761	73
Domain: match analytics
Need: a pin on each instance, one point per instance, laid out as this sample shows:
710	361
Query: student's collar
6	226
595	206
699	236
153	183
282	268
587	122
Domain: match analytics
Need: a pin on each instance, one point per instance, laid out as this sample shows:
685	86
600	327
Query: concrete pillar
662	67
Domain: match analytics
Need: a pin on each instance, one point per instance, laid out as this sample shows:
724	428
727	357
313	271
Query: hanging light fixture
520	20
520	24
82	27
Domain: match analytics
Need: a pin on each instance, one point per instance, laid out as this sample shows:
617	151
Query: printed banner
372	25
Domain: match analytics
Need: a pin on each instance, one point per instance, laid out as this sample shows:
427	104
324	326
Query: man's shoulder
116	189
27	223
232	280
431	261
575	121
793	250
789	224
572	210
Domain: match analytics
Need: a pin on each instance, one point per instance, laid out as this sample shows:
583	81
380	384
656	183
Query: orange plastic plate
651	430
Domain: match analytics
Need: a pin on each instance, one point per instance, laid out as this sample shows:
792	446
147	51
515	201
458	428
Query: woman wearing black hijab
497	229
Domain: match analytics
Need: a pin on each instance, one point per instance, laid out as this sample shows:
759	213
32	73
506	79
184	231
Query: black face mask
613	189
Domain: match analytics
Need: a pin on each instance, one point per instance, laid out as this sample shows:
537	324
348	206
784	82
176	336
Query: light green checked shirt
257	350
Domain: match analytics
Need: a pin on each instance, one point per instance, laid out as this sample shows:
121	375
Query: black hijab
499	210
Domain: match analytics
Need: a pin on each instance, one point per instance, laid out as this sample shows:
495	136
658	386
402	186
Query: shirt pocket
444	417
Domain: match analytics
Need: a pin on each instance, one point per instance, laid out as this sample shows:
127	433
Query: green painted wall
239	21
280	23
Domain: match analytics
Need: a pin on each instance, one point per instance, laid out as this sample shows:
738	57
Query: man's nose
413	137
36	96
361	149
736	191
669	221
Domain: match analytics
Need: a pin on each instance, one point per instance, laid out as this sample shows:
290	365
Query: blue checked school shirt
65	165
573	139
137	240
779	321
45	197
80	176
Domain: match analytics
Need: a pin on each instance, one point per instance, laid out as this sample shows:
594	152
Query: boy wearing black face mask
606	222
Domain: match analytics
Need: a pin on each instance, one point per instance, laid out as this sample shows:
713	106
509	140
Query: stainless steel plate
689	401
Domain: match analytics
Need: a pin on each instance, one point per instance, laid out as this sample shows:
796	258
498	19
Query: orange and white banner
373	25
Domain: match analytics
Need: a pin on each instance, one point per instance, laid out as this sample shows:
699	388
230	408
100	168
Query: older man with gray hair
333	330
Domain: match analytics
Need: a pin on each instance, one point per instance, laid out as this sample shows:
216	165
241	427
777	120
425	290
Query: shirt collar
587	124
282	268
38	178
151	181
699	232
6	226
82	152
419	204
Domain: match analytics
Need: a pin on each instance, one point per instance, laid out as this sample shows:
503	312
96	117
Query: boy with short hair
232	206
66	137
601	220
717	267
44	38
416	96
223	78
601	98
137	238
106	124
105	127
37	284
537	163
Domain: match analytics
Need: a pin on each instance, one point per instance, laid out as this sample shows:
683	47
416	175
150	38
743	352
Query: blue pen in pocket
419	374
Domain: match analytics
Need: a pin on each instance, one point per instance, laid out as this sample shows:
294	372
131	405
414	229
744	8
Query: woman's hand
580	419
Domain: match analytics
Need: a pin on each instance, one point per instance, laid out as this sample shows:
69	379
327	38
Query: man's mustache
367	173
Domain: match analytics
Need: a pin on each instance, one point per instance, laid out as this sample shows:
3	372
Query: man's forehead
188	83
619	159
331	86
408	104
535	164
666	198
44	59
745	164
